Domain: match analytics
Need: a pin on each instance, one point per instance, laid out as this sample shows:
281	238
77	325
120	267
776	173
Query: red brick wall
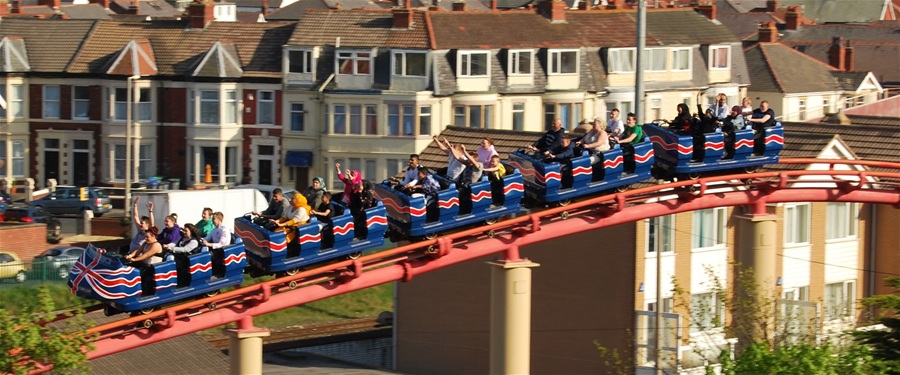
250	116
95	95
36	99
278	107
26	240
65	102
173	105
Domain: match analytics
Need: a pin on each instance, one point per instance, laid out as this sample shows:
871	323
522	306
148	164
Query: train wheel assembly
355	255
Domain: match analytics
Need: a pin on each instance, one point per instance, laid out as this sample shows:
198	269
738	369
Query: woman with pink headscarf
353	179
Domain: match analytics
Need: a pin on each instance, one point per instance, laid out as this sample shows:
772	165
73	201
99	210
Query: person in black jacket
276	207
550	139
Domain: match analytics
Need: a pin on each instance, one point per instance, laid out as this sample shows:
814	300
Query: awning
298	159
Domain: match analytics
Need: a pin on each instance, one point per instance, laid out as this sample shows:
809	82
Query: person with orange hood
295	217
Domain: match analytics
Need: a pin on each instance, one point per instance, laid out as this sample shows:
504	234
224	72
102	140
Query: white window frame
464	63
485	115
845	306
660	235
554	61
576	110
709	228
144	111
714	312
78	102
651	52
357	59
15	101
362	114
675	60
307	61
52	106
515	57
518	116
796	223
17	158
614	57
714	63
841	220
400	63
265	106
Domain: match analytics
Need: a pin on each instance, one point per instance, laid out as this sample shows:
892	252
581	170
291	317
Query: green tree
27	340
884	344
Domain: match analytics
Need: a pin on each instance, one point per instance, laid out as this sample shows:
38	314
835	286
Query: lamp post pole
128	136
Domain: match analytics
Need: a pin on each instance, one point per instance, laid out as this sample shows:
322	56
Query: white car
267	190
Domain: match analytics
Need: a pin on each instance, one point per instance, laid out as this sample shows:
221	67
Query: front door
81	169
264	169
51	160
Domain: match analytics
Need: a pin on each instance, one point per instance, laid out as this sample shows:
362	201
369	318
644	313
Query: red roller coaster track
405	262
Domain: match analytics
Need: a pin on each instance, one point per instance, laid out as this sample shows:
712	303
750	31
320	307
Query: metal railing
33	272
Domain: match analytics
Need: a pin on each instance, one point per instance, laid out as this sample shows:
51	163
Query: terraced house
280	102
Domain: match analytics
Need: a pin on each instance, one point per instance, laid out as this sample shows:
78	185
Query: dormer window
656	60
521	62
409	63
354	63
473	64
563	61
300	61
621	60
719	57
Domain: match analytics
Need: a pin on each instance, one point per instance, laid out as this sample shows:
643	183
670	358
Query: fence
34	272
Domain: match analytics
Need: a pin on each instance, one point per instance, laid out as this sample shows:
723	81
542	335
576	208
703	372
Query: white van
267	190
189	204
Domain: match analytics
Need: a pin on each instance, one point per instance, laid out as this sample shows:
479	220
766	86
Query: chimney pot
771	5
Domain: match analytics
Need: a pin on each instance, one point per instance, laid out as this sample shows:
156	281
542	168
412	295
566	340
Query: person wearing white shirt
220	236
411	177
614	126
720	109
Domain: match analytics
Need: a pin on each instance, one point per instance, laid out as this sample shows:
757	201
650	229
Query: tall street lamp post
129	101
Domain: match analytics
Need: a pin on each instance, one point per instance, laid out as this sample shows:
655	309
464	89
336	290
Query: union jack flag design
108	280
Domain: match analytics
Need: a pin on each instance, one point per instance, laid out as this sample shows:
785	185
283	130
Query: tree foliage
884	344
27	341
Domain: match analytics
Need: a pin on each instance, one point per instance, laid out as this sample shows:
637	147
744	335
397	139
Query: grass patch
13	298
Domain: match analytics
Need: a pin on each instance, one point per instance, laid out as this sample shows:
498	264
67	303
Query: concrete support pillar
511	316
245	347
757	252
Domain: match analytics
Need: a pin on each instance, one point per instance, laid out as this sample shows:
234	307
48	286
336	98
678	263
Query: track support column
757	252
245	347
511	314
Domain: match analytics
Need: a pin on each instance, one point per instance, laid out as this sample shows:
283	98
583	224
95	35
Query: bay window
568	113
473	116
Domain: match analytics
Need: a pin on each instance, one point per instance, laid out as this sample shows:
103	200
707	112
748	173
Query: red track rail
405	262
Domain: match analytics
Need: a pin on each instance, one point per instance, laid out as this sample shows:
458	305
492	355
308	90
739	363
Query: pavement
293	362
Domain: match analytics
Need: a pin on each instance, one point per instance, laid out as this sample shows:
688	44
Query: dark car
57	261
33	215
69	200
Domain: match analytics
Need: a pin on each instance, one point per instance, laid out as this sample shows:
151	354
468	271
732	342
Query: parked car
58	260
34	214
11	267
68	200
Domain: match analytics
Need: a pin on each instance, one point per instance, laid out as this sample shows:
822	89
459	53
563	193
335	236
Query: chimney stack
134	7
265	8
767	32
848	57
557	11
771	5
16	7
792	18
836	54
201	14
459	6
615	4
707	9
403	18
493	4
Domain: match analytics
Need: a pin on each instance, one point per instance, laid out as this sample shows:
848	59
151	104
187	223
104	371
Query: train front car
561	182
106	278
412	217
680	155
270	252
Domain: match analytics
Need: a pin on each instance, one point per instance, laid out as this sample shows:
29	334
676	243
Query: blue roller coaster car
269	251
583	175
106	278
408	215
675	154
